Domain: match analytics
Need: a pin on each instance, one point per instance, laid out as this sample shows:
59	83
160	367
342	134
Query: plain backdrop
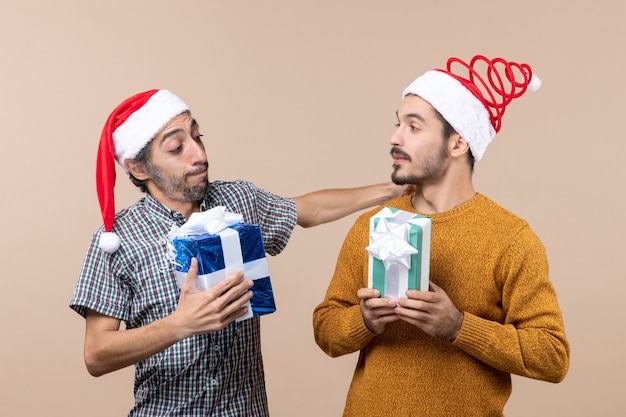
297	96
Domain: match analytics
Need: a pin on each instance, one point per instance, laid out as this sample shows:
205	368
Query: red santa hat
472	103
129	128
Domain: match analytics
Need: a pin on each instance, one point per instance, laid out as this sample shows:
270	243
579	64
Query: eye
198	138
174	146
397	125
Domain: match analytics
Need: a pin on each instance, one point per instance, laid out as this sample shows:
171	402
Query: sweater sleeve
531	341
337	321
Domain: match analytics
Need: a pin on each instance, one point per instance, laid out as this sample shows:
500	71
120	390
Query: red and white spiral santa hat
129	128
472	103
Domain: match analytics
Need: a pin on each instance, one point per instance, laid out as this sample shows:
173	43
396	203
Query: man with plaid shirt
192	358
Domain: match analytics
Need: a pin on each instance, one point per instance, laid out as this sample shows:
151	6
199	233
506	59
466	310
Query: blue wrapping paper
212	262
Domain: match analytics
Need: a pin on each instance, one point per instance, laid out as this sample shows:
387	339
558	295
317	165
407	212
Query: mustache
399	152
201	168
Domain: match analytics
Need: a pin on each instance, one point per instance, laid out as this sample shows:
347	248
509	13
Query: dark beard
195	193
410	179
191	194
407	179
432	171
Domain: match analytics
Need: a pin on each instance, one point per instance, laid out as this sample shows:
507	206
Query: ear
458	146
137	169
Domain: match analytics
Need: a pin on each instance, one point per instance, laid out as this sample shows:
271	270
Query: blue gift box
223	253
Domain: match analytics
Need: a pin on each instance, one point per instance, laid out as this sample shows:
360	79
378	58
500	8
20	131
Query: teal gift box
399	252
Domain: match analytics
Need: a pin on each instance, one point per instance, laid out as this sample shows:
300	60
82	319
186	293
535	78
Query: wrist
392	191
173	327
457	328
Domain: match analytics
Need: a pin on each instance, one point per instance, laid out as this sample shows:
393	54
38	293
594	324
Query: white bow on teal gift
389	243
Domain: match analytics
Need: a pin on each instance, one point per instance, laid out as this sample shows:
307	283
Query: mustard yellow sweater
494	268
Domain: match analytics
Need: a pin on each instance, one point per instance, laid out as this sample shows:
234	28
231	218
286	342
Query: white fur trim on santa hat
465	113
144	124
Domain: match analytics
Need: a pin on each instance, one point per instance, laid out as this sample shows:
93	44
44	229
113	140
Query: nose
396	138
197	151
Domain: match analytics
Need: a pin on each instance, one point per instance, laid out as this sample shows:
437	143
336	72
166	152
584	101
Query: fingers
232	313
227	296
426	296
366	293
409	190
377	312
228	291
229	282
432	311
192	275
434	287
370	299
219	288
419	301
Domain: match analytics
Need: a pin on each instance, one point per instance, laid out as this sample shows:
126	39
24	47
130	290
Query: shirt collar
162	213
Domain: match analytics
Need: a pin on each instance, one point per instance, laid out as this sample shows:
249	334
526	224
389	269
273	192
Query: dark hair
448	131
143	157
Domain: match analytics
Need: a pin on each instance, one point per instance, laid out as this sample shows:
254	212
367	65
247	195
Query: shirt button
214	382
216	348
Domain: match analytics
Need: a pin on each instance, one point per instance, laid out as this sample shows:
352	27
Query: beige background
297	96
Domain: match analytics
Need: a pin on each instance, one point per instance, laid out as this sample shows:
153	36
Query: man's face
178	167
419	151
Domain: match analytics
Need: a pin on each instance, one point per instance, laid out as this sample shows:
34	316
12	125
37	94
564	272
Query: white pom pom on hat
473	102
534	84
109	242
128	129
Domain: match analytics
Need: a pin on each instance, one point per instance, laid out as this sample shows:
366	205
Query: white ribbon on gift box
389	242
216	221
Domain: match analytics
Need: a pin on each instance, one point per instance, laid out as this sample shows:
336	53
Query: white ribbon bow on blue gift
215	221
211	221
389	243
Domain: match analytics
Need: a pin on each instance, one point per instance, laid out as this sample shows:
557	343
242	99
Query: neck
442	196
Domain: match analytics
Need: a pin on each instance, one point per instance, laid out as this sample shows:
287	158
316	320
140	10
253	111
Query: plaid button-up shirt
215	374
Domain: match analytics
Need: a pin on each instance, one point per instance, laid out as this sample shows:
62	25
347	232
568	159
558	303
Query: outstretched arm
324	206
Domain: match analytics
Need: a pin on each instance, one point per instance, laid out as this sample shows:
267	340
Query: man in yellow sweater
491	310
